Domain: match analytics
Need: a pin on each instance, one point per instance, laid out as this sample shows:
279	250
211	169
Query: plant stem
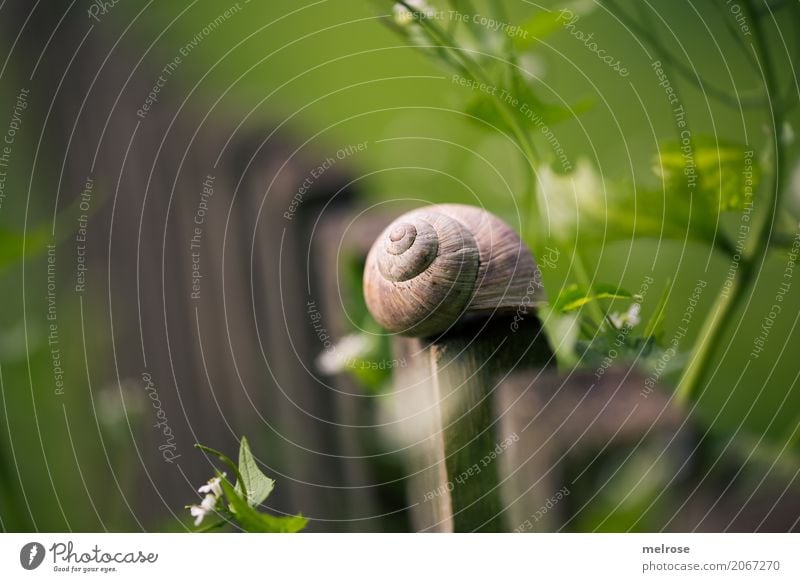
530	204
582	275
710	333
721	313
530	200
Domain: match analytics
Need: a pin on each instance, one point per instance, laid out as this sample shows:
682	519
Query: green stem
710	333
582	275
725	305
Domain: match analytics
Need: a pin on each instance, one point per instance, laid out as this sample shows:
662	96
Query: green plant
707	183
237	504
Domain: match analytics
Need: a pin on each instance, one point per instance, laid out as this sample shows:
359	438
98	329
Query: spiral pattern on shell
427	264
432	265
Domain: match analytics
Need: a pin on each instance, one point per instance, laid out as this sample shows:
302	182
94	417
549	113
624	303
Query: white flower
198	513
347	349
213	491
628	319
208	505
212	486
209	502
403	16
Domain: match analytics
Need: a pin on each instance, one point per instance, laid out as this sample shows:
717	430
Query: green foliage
655	327
585	208
517	96
251	489
699	192
252	520
255	486
574	296
716	168
544	23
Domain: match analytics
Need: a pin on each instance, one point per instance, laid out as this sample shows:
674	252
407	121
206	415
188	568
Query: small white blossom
628	319
347	349
208	505
213	491
198	513
212	486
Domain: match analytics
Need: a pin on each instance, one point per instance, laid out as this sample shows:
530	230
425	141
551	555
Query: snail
436	265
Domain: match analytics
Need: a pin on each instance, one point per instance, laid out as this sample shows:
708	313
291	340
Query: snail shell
432	266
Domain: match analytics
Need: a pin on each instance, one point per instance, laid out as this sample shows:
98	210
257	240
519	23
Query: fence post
461	283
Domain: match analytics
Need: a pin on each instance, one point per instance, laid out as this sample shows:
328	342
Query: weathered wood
456	442
417	428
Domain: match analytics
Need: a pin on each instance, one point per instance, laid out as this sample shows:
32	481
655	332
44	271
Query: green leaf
585	207
222	457
573	297
608	291
253	521
257	486
520	101
570	297
717	168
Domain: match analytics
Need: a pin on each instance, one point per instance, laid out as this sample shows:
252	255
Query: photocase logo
31	555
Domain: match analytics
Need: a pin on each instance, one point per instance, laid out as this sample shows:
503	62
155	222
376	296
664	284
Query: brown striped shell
433	265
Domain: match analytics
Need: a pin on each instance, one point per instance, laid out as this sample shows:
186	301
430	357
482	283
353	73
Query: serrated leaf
256	522
257	485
